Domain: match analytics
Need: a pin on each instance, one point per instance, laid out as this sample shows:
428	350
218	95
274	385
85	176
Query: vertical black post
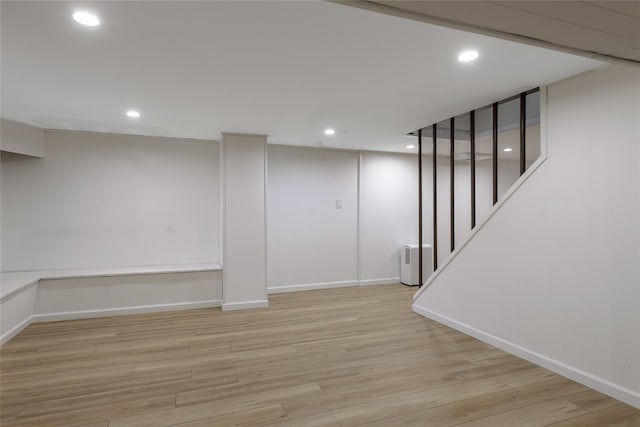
451	185
523	132
420	207
494	157
472	117
435	199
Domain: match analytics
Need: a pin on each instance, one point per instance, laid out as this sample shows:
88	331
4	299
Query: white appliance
409	258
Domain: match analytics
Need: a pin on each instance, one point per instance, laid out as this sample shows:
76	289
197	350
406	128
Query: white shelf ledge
14	281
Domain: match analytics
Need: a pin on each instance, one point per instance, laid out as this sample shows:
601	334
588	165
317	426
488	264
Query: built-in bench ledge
27	296
15	281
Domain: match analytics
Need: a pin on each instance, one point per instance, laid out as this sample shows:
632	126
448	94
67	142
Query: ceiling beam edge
429	19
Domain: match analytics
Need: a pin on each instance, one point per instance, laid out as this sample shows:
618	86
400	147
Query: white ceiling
285	69
610	29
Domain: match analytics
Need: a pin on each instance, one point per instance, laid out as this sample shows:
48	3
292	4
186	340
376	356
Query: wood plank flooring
339	357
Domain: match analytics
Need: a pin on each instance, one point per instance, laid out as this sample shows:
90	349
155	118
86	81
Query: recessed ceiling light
329	131
468	55
410	146
133	114
508	150
86	18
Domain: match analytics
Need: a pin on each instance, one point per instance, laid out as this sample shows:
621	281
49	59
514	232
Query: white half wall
312	243
553	276
245	252
76	298
16	311
105	200
59	295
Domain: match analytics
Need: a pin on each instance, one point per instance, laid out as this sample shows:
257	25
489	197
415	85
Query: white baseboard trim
15	330
616	391
229	306
385	281
311	286
107	312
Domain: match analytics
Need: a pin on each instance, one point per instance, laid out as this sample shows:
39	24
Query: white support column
245	268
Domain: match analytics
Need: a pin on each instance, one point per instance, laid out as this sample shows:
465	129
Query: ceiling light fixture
410	146
329	132
86	18
468	55
508	150
133	114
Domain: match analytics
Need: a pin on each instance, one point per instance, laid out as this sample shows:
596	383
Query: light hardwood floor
339	357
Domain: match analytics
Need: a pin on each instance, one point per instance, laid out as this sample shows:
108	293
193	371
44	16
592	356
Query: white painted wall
388	213
311	243
245	252
18	138
554	274
104	200
22	139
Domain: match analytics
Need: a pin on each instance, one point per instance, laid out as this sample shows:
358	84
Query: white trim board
385	281
129	271
15	330
332	285
617	392
123	311
311	286
230	306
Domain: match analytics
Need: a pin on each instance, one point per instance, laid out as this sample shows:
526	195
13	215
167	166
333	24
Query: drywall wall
104	200
16	310
18	138
553	275
245	253
312	243
22	139
388	213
